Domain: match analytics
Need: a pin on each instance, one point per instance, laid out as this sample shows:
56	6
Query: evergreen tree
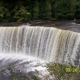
73	8
36	10
77	14
4	13
63	9
52	10
47	9
11	11
20	12
41	9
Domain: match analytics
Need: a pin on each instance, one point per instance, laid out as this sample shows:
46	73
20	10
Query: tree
77	14
63	9
41	9
4	13
20	12
52	10
36	10
47	9
73	8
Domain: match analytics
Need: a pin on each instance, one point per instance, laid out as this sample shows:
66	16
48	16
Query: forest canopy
26	10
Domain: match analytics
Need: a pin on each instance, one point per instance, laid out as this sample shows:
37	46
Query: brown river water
65	25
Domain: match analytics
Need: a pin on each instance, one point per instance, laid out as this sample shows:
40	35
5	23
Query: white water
21	62
24	64
45	43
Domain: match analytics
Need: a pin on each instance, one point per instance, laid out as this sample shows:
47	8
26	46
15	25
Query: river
66	25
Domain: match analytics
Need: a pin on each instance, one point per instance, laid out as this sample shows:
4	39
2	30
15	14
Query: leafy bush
21	14
63	71
4	14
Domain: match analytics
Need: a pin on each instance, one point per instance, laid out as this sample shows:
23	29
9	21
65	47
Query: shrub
63	71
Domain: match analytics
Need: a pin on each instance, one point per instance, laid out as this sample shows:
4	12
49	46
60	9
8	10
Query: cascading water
46	43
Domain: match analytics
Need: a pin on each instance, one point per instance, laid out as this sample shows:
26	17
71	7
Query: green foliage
45	9
36	78
63	9
4	13
41	9
63	71
25	10
21	14
52	10
36	10
77	9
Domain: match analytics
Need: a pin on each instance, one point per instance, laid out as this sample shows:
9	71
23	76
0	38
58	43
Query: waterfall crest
47	43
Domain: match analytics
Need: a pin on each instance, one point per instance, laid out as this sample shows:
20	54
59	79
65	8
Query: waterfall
46	43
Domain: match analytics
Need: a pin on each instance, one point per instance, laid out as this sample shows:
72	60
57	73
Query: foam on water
22	62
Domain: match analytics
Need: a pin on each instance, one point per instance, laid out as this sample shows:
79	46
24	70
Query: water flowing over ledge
46	43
